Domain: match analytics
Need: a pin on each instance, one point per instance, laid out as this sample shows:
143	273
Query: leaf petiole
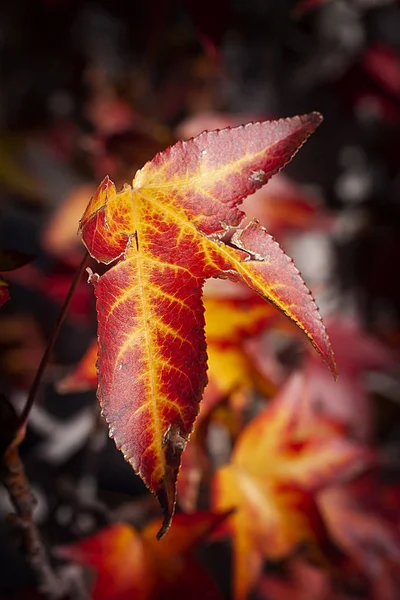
50	345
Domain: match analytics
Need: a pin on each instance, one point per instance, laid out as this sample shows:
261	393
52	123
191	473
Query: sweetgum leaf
164	235
281	460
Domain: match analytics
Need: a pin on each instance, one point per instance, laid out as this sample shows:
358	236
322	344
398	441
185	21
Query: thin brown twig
50	345
14	477
17	485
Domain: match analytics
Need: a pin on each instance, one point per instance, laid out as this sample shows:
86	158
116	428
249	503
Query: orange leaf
229	322
276	466
130	564
166	230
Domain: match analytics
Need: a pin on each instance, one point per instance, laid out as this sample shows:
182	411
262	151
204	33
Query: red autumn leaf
4	294
347	399
229	322
131	564
280	461
165	232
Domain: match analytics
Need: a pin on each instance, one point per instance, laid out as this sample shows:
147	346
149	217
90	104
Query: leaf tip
333	368
167	500
105	185
326	352
173	443
328	355
315	119
166	524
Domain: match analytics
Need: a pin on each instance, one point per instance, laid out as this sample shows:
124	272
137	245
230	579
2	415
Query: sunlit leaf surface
166	234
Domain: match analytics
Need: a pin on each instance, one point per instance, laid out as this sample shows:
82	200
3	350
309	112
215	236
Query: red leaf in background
131	564
4	293
383	64
281	459
56	287
166	233
367	537
347	399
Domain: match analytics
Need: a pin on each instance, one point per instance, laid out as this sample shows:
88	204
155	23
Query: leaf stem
50	344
